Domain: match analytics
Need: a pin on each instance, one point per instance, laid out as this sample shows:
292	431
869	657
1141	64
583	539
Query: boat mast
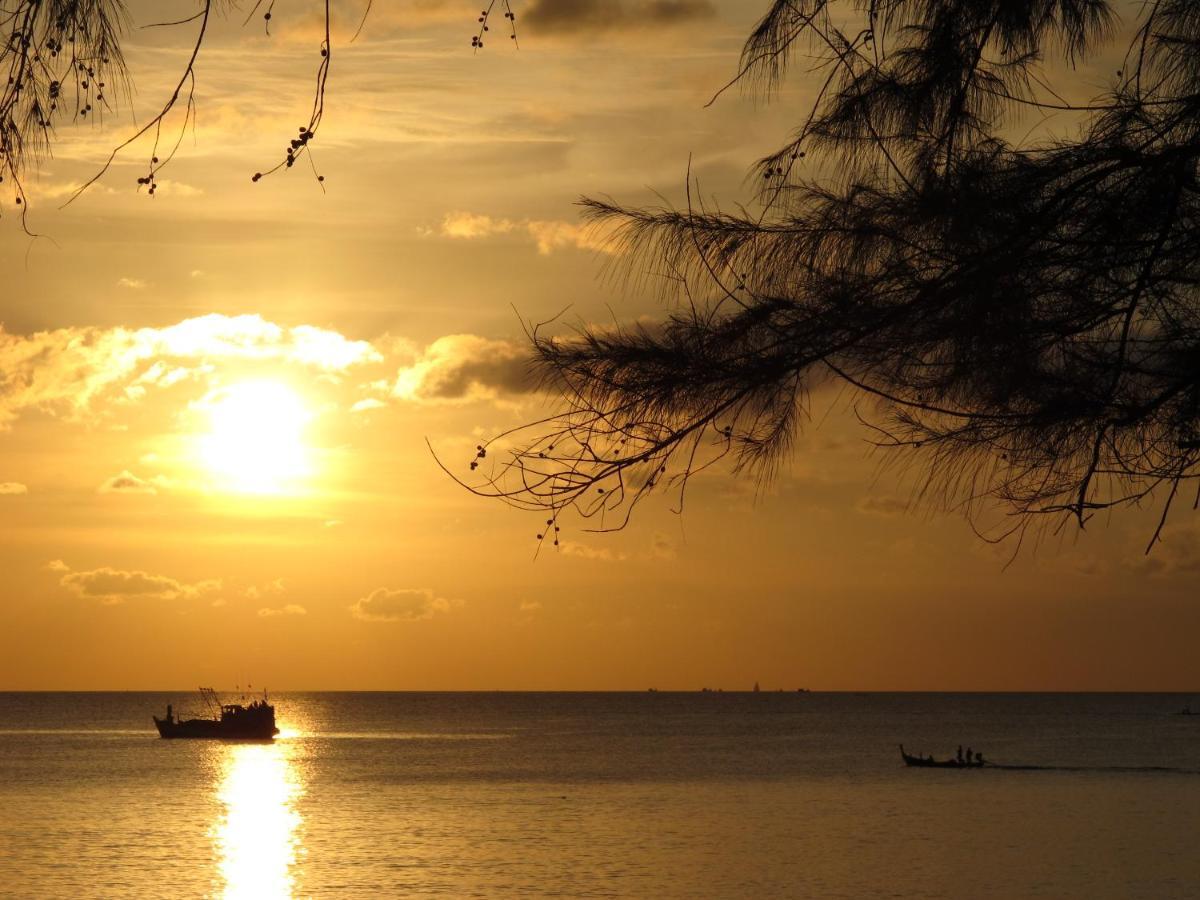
211	701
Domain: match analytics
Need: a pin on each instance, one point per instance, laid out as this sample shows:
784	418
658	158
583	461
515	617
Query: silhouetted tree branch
62	61
1022	314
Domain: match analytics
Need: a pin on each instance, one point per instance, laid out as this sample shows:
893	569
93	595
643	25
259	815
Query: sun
255	443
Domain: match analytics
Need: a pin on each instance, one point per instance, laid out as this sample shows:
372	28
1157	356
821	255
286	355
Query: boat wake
1171	770
84	731
403	736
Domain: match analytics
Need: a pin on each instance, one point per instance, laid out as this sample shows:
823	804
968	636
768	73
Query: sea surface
689	795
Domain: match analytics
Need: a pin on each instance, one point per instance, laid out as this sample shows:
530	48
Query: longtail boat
928	762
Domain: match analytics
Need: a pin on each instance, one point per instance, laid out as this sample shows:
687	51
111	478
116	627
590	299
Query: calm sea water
604	795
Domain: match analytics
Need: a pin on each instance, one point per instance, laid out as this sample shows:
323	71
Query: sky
220	404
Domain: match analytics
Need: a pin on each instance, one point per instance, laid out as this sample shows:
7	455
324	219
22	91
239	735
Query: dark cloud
127	483
106	582
467	367
115	585
590	16
402	605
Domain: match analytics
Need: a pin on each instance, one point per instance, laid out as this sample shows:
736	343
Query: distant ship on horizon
255	721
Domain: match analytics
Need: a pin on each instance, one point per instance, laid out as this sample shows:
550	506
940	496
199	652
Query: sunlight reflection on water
258	831
690	796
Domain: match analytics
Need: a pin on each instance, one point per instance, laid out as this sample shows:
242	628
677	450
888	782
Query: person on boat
960	759
979	758
968	756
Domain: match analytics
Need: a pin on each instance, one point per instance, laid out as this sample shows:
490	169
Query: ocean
657	795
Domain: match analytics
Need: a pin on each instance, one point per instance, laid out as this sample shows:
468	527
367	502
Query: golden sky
215	402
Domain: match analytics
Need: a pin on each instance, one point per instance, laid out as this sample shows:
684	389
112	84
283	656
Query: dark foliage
60	59
1023	314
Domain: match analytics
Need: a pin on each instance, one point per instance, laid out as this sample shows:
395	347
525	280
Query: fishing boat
928	762
254	721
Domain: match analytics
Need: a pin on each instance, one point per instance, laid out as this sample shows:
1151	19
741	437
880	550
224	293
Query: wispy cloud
1177	553
590	16
586	551
661	549
291	609
882	506
547	234
12	487
270	589
555	235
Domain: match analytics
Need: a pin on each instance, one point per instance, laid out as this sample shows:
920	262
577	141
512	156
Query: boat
928	762
230	721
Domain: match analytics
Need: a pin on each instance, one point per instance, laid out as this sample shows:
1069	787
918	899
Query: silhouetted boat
231	721
928	762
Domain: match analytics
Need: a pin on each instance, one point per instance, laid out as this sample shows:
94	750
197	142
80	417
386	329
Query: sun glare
255	442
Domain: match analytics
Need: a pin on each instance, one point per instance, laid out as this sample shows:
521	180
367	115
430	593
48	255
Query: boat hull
214	729
918	762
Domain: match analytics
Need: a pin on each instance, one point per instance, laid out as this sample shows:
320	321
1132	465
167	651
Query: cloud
1089	564
404	605
549	235
63	189
553	235
473	225
177	188
12	487
368	404
111	585
584	551
270	589
128	483
1178	552
530	606
133	284
882	506
66	370
292	609
591	16
57	565
661	547
462	367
